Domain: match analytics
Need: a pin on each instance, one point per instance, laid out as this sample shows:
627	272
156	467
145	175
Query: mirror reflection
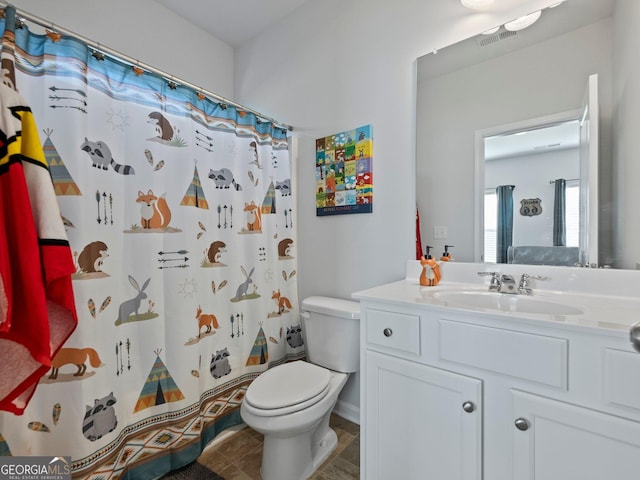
468	91
539	166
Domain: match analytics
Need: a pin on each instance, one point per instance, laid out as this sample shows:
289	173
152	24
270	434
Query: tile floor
238	457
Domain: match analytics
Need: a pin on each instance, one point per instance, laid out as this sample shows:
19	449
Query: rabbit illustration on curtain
129	307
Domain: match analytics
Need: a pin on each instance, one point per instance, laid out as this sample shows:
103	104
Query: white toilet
291	404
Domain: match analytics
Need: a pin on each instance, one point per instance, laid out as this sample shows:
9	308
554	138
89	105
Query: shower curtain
559	212
504	234
180	217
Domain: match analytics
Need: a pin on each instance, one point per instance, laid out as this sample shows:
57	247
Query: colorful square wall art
344	175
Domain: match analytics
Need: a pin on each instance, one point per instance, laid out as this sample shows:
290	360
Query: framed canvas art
344	175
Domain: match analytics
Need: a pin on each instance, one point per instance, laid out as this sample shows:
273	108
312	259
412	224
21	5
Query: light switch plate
439	232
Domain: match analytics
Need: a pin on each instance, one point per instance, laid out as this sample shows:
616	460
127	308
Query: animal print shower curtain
180	218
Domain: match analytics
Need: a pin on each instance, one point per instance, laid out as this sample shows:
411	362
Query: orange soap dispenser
430	276
446	255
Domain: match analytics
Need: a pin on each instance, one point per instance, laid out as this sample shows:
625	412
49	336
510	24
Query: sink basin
504	303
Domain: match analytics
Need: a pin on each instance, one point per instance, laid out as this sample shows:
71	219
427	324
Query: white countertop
613	313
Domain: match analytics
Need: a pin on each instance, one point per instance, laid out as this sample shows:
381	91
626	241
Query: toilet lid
288	385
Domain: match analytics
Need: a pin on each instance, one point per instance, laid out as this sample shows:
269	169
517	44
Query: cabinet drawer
531	357
393	330
622	378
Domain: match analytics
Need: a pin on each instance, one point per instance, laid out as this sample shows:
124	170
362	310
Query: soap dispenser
430	276
446	255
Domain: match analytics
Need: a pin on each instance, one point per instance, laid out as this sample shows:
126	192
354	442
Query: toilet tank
331	332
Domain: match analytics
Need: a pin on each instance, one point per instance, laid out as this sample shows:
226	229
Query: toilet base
324	449
296	458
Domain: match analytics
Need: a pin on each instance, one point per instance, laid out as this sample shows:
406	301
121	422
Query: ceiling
235	22
530	141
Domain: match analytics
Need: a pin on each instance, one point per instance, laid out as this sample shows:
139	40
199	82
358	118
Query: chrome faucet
505	283
523	287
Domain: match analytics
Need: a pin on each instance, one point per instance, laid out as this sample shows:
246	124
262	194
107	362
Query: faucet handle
494	281
527	276
523	287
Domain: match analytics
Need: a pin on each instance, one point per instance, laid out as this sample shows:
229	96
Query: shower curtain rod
22	15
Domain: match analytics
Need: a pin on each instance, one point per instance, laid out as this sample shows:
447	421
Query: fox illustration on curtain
149	180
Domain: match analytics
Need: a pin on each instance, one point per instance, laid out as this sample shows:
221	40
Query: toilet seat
288	388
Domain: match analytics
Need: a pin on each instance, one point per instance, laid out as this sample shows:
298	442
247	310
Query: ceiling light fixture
523	22
476	4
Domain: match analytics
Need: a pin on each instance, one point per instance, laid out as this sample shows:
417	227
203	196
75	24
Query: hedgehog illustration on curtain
259	354
159	387
195	195
63	184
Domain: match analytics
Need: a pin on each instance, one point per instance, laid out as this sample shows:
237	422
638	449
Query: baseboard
348	411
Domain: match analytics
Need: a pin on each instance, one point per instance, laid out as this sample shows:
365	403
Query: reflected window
572	212
572	219
490	225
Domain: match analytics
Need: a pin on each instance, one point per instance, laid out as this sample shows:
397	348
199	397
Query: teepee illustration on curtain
195	195
269	203
259	352
159	387
4	448
63	184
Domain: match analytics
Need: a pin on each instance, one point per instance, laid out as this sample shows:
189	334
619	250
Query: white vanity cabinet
559	440
417	425
421	422
454	394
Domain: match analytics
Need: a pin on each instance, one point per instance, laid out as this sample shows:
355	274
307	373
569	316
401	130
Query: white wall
148	32
511	88
626	151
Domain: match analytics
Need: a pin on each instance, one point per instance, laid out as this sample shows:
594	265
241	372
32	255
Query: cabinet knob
634	336
468	407
522	424
387	332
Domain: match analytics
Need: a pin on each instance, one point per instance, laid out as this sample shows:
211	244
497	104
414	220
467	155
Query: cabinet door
417	426
564	441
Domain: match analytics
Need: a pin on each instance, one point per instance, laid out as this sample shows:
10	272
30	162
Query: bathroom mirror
468	90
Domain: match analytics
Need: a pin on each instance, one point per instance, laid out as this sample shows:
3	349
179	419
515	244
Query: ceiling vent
487	40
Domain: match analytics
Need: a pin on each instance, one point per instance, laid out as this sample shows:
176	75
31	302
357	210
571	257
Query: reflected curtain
180	218
559	213
504	234
419	253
